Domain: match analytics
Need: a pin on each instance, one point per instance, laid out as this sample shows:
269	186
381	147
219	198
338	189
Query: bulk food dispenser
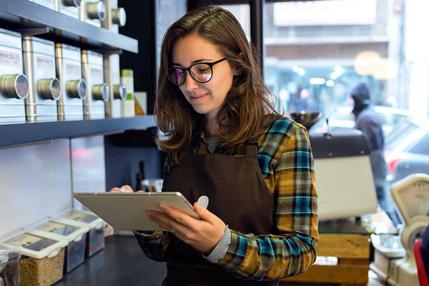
45	88
9	267
73	86
98	90
74	236
95	236
13	83
42	258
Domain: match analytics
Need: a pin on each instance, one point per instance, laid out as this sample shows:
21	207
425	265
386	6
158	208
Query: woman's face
206	98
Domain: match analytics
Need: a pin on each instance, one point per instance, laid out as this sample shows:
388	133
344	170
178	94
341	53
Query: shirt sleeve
293	249
153	245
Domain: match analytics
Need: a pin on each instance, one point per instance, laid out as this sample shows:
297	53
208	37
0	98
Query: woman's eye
202	70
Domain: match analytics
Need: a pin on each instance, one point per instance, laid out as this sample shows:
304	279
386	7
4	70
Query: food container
115	16
92	12
45	88
95	237
118	91
10	272
98	91
42	258
73	86
75	237
68	7
4	258
13	83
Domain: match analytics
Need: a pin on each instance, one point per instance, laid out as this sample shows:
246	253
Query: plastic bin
9	268
42	259
95	237
74	235
4	258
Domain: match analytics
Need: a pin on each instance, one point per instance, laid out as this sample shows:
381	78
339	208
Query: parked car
343	119
407	150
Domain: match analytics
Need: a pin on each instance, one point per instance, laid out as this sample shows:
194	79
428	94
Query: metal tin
93	12
118	90
68	7
14	84
69	72
45	88
119	16
98	91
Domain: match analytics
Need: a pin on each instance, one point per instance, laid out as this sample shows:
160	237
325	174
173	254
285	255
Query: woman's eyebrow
193	62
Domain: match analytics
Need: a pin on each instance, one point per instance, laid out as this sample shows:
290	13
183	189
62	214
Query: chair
423	276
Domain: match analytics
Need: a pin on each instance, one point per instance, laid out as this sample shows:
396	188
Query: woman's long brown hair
240	118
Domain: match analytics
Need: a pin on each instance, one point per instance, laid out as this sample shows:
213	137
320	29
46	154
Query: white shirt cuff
221	247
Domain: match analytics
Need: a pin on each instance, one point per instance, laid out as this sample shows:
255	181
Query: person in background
370	123
225	141
301	101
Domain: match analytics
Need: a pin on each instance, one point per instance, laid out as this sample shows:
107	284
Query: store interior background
325	47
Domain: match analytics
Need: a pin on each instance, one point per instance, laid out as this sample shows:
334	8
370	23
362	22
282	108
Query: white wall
37	180
35	183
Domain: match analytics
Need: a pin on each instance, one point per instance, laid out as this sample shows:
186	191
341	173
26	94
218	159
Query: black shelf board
23	133
19	15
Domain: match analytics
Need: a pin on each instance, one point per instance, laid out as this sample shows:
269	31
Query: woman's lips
198	97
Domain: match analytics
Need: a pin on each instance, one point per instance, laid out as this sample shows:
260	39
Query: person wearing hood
370	123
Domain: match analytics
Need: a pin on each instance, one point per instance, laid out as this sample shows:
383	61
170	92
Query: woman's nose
190	83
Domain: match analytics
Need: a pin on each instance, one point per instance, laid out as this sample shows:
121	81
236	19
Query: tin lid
34	245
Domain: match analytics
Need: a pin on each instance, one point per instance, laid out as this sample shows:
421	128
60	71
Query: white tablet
127	211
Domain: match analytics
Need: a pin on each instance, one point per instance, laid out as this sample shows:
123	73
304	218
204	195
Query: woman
225	142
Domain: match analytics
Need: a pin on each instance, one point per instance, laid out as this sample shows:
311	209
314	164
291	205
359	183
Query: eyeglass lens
200	72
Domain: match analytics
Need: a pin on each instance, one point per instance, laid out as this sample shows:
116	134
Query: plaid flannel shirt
286	162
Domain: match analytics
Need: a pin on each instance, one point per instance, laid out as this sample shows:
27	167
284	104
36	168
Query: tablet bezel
127	211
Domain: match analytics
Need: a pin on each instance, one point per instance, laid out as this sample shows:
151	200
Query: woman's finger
163	219
205	214
178	215
115	190
126	189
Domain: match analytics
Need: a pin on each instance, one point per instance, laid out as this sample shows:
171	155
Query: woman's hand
202	234
123	189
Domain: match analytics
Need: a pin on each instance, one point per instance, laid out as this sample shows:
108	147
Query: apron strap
252	149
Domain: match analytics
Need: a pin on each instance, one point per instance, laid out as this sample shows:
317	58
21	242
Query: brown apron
237	194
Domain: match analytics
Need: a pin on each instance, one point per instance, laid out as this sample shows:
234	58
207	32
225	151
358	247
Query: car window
422	146
394	140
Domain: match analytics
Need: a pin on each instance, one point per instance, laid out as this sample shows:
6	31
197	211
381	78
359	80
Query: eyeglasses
200	72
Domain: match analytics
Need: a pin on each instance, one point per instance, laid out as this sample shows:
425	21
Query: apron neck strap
252	149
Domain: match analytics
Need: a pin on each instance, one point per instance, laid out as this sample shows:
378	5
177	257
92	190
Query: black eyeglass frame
184	70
